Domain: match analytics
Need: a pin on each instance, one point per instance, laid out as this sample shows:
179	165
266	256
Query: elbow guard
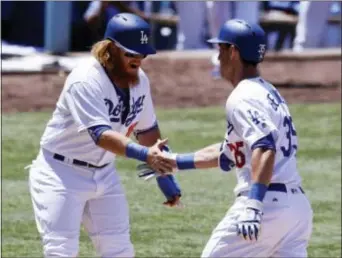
225	160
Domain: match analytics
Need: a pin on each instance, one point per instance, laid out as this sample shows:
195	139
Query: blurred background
42	41
52	37
76	25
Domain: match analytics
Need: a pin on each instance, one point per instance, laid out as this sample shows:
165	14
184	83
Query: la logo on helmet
261	51
144	38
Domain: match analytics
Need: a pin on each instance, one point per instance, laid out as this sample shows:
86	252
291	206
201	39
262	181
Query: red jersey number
239	156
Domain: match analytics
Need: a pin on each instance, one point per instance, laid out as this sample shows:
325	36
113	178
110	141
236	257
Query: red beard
119	74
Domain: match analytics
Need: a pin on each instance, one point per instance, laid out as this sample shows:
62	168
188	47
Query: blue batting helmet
131	33
250	39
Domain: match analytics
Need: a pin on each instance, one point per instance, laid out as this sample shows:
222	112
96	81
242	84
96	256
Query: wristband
257	191
185	161
136	151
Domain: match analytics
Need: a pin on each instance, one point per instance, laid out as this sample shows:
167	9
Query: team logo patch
262	51
115	111
143	38
256	118
136	108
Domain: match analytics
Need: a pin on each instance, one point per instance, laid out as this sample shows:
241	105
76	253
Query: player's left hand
167	184
249	222
171	190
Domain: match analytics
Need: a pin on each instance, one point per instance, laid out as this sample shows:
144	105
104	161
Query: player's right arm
121	145
212	156
207	157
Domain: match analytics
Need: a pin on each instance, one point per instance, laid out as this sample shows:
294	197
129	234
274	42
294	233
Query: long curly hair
100	51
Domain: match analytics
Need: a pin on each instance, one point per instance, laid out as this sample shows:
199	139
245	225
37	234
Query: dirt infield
182	87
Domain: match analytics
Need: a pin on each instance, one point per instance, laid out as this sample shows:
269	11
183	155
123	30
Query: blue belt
277	187
77	162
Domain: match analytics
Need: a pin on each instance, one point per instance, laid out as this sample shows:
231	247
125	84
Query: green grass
163	232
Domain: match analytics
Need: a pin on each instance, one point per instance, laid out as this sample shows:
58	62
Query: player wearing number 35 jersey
271	216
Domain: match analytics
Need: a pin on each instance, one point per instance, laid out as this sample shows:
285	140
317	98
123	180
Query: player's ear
234	53
230	52
113	49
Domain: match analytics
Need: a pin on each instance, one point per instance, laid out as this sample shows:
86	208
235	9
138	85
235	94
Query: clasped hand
161	162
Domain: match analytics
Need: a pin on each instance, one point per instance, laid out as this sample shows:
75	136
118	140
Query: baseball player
271	216
192	16
73	179
312	24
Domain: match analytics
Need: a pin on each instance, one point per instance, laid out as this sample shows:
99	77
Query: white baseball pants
285	229
64	196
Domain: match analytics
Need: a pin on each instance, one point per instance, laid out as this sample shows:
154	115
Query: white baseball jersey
255	110
88	99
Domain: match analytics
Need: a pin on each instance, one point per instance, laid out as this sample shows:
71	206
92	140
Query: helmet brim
216	41
143	49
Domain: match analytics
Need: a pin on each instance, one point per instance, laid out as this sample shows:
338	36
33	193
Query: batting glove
249	223
145	172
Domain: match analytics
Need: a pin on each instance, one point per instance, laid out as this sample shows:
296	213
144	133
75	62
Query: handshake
160	160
